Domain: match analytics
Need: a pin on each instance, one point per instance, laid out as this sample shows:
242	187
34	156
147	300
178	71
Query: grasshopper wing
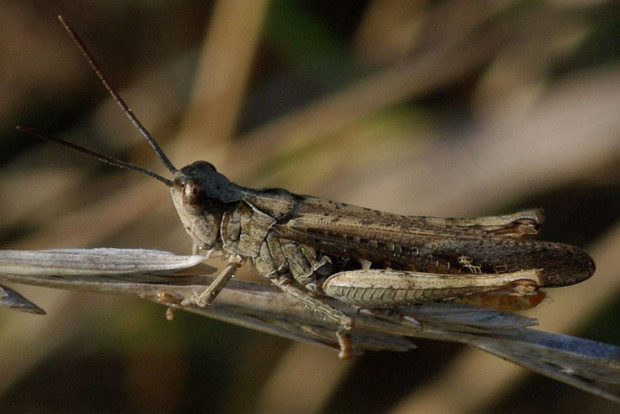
432	245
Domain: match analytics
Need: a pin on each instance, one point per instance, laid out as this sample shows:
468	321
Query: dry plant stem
13	300
222	77
589	365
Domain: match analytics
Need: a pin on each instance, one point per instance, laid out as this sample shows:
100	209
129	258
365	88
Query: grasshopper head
201	195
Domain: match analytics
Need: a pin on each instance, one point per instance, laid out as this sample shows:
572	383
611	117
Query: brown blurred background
427	108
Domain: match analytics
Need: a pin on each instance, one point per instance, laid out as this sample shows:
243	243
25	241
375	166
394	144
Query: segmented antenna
94	154
117	98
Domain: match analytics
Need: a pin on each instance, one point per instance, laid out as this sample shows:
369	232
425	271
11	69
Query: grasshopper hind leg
389	289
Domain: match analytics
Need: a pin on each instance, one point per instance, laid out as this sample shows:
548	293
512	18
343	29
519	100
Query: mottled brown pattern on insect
312	248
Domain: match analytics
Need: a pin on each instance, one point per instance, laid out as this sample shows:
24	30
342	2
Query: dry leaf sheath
170	280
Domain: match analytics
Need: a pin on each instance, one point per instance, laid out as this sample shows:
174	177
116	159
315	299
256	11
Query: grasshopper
313	248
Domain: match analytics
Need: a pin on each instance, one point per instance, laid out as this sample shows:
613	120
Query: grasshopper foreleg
205	298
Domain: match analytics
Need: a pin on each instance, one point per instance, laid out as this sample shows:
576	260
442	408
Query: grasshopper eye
204	166
193	194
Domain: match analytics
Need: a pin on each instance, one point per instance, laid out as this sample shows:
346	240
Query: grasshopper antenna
94	154
117	98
